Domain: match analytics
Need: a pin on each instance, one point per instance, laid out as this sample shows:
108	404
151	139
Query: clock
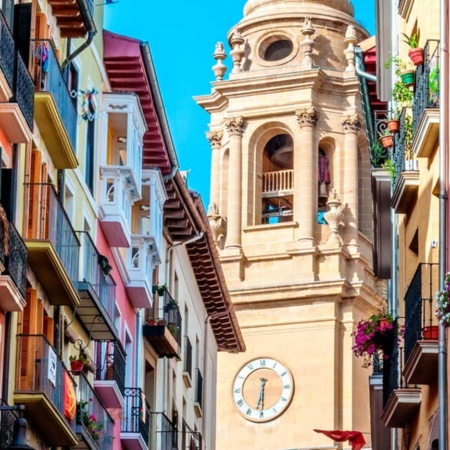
263	389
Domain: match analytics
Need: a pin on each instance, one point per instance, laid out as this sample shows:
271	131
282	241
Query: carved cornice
235	126
215	138
306	117
351	124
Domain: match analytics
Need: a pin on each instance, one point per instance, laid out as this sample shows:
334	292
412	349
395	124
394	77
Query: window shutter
34	194
22	30
8	11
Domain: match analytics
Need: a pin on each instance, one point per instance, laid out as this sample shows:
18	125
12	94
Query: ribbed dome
263	7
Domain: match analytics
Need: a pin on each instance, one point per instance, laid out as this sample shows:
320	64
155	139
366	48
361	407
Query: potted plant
90	422
371	334
160	289
431	332
152	321
389	166
443	303
172	328
405	78
393	121
77	363
415	52
386	138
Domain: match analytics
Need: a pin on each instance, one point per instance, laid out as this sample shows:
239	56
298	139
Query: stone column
215	140
235	128
305	175
351	125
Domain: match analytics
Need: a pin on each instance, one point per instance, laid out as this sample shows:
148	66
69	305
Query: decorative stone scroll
235	126
307	116
215	138
351	124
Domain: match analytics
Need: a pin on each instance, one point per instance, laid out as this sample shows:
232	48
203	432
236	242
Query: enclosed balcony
46	389
53	247
141	258
190	439
54	111
109	380
74	17
426	102
94	424
16	90
136	420
421	326
97	292
163	433
13	264
198	399
164	332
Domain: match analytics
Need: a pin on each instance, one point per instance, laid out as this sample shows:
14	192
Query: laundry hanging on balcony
354	437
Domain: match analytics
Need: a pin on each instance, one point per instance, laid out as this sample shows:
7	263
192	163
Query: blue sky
182	36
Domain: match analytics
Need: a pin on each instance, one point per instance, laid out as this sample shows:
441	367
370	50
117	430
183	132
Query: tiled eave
127	72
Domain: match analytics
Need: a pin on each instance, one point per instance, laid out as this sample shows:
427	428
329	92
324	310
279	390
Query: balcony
53	247
54	111
190	440
136	420
117	194
401	402
277	192
406	179
93	434
13	259
109	380
16	90
198	399
41	380
421	327
164	334
74	17
97	291
187	365
7	419
164	433
426	102
140	259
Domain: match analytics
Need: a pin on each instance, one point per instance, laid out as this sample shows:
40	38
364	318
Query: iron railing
40	371
16	260
172	317
136	413
49	78
49	222
419	309
7	419
426	90
24	90
190	439
164	435
92	416
379	154
198	388
111	360
91	272
8	53
391	359
187	356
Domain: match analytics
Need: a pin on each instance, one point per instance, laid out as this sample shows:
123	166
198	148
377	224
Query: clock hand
261	393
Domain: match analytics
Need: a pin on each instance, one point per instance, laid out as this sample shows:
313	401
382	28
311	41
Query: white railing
282	180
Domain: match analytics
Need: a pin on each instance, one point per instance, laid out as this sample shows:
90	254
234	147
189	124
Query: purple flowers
443	303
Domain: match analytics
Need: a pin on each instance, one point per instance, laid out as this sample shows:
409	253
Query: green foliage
413	40
389	166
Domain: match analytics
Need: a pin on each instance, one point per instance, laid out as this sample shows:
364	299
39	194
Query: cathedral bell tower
291	212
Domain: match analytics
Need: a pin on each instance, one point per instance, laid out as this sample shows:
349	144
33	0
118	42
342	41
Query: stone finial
307	44
216	223
219	55
334	217
351	124
306	116
215	138
235	126
237	52
349	52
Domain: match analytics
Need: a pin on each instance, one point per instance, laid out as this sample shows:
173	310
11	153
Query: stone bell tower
291	214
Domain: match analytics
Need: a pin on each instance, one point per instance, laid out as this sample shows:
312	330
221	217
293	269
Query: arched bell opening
324	179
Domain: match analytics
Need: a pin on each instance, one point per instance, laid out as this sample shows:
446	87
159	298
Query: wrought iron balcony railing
198	388
93	421
136	413
391	360
187	356
24	91
8	53
191	440
378	154
419	308
111	363
48	77
164	434
426	91
7	419
172	317
49	222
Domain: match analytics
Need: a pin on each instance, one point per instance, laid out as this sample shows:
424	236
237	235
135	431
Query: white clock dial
263	389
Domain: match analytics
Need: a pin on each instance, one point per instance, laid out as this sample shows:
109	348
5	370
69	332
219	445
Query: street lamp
19	441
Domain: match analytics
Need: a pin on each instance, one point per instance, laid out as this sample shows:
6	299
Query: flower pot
393	125
408	78
161	322
416	55
76	366
431	332
387	141
383	323
152	322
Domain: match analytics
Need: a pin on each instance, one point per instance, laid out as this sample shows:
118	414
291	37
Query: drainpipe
443	180
358	69
80	49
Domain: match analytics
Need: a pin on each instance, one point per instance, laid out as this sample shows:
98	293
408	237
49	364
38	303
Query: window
278	50
324	178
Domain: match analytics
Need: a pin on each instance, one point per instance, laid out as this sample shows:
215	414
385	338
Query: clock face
263	389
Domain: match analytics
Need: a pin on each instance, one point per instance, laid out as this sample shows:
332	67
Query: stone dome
265	7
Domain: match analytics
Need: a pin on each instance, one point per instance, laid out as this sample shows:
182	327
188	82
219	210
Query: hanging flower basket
443	303
76	366
393	125
407	78
387	141
416	55
430	333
